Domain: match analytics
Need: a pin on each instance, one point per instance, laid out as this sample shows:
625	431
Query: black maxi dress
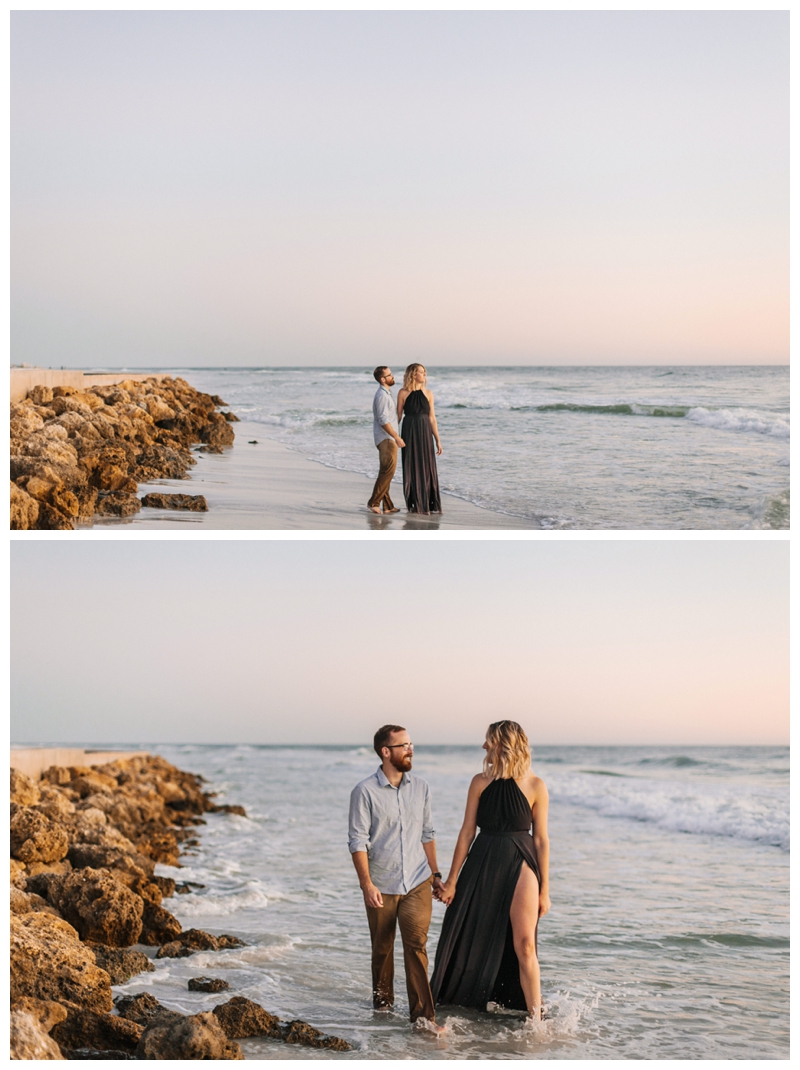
475	960
420	479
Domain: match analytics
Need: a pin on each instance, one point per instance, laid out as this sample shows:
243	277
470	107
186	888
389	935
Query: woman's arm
401	400
434	425
465	837
541	842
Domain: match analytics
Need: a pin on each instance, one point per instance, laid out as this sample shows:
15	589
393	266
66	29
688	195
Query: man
384	420
392	843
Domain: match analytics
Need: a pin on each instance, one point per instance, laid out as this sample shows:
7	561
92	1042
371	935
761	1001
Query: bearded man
393	846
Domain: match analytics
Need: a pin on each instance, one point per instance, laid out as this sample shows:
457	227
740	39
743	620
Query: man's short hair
383	735
380	372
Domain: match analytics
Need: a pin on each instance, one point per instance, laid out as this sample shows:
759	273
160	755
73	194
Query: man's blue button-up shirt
391	825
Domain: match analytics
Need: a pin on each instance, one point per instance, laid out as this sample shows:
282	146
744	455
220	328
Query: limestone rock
48	961
40	395
98	856
18	874
24	902
166	884
24	791
19	901
174	950
52	519
224	941
24	510
195	503
46	1012
227	808
241	1017
121	963
198	1036
34	838
54	803
101	909
161	461
299	1032
29	1040
84	1028
118	503
158	925
53	869
142	1008
57	774
92	782
208	984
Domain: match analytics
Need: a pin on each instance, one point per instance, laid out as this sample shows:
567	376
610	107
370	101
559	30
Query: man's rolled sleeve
359	822
428	831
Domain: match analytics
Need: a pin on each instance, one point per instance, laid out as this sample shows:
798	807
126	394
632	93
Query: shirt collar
384	783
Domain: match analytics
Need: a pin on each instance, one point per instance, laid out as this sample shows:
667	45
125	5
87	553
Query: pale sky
618	642
316	188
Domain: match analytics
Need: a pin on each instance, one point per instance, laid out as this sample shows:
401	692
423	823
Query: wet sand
269	487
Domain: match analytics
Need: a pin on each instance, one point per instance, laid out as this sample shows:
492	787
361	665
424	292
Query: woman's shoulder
537	784
532	782
479	782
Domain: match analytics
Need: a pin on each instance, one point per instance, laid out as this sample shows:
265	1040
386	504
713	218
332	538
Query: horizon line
303	367
356	746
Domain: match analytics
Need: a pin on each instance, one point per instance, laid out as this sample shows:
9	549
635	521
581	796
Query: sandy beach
269	487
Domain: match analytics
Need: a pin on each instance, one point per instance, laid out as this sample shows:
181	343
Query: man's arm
430	853
383	411
429	838
372	896
393	434
358	842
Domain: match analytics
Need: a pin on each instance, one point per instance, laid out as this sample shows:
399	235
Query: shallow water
668	936
646	447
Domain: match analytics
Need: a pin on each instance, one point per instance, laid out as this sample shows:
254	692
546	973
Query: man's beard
401	762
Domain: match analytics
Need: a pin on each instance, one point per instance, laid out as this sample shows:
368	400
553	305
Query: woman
420	481
487	951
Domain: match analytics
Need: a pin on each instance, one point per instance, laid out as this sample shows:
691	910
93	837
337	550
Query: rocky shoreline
77	454
85	900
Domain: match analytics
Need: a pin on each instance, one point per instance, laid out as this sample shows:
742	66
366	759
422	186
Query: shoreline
87	914
269	486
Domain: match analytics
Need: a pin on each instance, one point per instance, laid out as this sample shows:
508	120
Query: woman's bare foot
428	1025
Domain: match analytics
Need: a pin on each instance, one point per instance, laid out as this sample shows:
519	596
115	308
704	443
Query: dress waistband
507	832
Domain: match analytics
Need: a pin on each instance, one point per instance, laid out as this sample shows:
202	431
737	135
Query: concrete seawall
23	379
32	761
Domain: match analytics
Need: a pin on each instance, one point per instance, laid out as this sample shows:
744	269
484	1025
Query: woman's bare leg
524	917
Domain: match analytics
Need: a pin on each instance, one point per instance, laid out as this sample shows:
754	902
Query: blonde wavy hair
508	755
408	376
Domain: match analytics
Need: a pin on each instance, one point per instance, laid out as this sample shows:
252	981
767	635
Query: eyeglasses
405	746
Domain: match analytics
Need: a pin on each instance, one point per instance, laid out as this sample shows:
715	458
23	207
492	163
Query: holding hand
445	893
372	897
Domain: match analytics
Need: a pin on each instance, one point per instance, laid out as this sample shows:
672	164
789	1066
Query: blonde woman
415	408
488	949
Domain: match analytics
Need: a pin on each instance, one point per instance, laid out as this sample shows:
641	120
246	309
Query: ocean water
667	939
630	448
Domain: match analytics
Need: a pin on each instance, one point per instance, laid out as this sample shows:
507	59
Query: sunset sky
312	188
599	642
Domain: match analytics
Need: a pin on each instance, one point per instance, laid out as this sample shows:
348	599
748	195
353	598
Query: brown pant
413	913
387	451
